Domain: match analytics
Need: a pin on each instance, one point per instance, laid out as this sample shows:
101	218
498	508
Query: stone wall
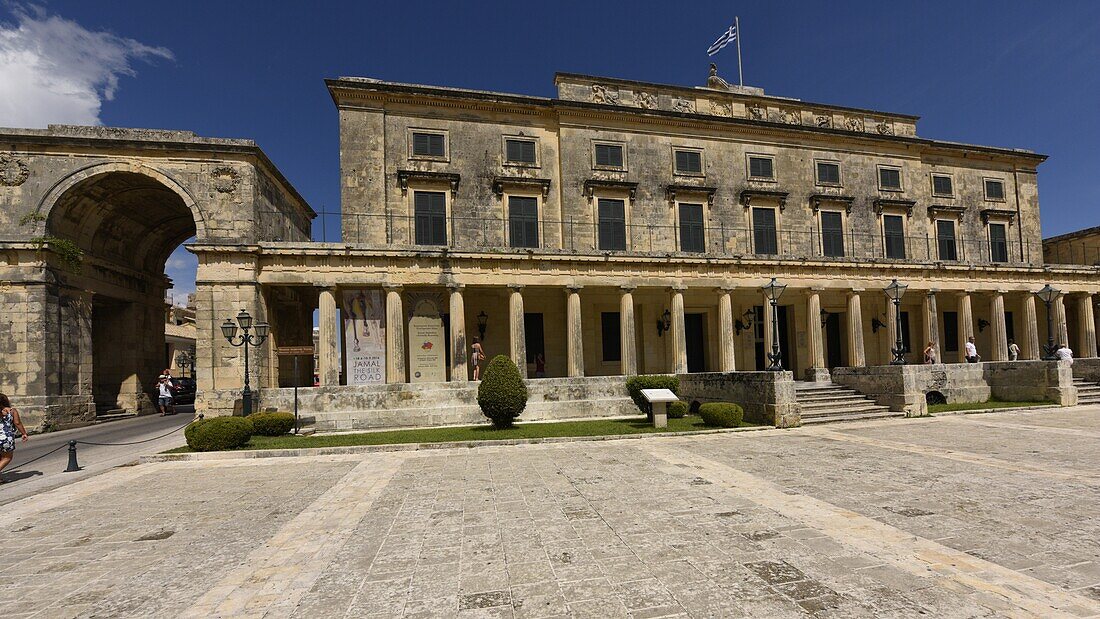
766	397
1087	369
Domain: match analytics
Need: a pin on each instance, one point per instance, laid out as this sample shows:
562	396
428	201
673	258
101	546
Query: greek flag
724	40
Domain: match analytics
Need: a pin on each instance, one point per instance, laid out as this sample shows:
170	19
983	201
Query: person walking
1063	353
540	366
1013	350
476	355
9	423
930	353
164	396
972	355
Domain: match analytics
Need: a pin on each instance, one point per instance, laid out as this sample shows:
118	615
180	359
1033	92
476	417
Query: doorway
696	342
759	330
833	342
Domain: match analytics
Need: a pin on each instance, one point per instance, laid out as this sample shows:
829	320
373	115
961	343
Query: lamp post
1047	294
246	339
895	291
184	360
482	323
773	291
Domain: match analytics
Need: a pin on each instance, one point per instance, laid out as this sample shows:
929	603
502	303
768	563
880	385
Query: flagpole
737	29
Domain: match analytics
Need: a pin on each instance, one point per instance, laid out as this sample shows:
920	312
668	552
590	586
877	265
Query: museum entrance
696	342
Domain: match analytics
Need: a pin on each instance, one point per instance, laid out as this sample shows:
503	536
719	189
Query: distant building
1080	247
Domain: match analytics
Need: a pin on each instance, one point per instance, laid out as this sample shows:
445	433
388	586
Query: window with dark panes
428	144
764	233
998	243
523	221
612	336
761	167
893	227
430	217
691	228
950	332
832	234
889	178
689	162
609	155
945	240
941	185
520	151
828	173
612	224
994	190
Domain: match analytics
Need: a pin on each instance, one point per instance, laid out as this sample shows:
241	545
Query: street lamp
1047	294
184	359
773	291
246	339
895	291
482	323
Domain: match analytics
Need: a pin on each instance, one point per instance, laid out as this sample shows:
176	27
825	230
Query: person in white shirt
1064	353
164	396
971	351
1013	350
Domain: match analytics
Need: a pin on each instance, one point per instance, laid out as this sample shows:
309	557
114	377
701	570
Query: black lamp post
246	339
773	291
1047	294
664	323
184	360
895	291
482	323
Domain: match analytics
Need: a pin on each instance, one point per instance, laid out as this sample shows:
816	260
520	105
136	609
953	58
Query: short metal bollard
73	466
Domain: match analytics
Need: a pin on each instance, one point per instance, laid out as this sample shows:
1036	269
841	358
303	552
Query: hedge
501	394
271	424
721	414
636	383
218	433
677	410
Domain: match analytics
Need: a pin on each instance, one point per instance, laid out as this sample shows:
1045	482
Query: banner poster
364	337
427	340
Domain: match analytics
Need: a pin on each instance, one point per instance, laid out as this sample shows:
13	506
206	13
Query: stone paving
960	516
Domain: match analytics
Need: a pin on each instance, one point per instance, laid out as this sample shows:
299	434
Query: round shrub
677	410
721	414
501	394
635	384
271	424
218	433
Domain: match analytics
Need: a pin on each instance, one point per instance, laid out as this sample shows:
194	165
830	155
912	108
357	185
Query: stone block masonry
766	397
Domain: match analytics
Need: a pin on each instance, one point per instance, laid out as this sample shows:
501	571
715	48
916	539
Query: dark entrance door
784	339
696	342
833	342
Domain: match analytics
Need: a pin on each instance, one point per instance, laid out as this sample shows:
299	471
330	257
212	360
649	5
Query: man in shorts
164	396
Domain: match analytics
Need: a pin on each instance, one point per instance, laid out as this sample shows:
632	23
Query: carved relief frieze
225	179
720	108
792	117
824	121
603	94
647	100
683	105
884	127
757	113
853	123
13	171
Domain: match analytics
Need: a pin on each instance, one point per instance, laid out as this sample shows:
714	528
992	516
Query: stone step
114	414
848	410
822	388
831	397
854	405
844	417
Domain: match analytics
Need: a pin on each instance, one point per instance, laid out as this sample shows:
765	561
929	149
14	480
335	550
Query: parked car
185	390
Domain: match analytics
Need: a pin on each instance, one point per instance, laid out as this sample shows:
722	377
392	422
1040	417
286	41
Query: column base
818	375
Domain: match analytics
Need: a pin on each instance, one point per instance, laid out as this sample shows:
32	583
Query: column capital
628	289
677	288
455	287
574	288
392	287
816	289
515	287
852	291
932	292
725	289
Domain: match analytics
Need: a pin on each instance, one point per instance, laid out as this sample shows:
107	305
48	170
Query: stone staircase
824	402
1087	392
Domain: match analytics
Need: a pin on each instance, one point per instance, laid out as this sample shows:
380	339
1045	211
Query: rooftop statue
716	82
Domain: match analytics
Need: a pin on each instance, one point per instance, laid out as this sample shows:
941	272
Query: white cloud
181	268
53	70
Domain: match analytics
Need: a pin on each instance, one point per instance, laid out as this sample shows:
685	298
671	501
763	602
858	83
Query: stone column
1086	327
395	336
891	331
517	336
459	367
679	339
726	353
1030	346
328	355
857	354
999	331
966	324
769	335
575	335
627	345
1061	331
814	341
931	324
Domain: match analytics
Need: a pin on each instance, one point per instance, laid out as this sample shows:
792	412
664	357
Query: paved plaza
956	516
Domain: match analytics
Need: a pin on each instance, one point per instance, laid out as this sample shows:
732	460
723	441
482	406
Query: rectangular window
889	179
761	167
691	228
828	173
430	214
523	221
533	337
520	151
994	189
945	240
941	185
428	145
612	224
609	155
764	233
893	227
832	234
950	332
612	336
998	243
689	162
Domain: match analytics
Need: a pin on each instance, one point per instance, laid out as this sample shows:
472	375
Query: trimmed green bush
271	424
677	410
501	394
635	384
218	433
721	414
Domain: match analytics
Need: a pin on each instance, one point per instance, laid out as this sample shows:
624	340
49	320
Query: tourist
476	355
972	355
1013	350
9	423
540	366
930	353
164	396
1063	353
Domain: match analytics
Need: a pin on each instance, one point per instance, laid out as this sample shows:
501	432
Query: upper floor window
430	217
893	236
691	228
889	179
828	173
946	242
942	185
764	231
761	167
429	144
832	234
609	156
994	189
520	151
688	161
523	221
998	243
611	215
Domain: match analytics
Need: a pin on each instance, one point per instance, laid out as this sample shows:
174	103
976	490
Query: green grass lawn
598	427
969	406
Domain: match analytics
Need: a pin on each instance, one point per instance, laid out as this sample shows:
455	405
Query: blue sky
1015	74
